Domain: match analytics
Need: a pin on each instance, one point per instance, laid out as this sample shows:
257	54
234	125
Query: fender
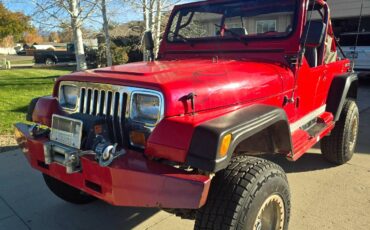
342	87
241	124
42	109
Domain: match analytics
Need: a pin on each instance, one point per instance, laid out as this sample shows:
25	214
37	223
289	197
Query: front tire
251	193
338	148
67	192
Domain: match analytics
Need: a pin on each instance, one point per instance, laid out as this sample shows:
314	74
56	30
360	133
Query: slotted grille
110	102
107	103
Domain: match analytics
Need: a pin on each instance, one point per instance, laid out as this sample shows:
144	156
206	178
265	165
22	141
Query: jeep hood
215	83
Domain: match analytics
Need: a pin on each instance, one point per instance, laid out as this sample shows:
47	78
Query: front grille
102	102
108	103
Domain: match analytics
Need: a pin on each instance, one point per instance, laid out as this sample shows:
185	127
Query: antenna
358	33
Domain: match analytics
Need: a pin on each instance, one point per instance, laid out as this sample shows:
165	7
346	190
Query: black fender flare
241	124
342	87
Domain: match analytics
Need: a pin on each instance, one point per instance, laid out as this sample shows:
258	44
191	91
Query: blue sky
120	16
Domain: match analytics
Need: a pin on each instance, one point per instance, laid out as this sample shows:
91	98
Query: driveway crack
15	213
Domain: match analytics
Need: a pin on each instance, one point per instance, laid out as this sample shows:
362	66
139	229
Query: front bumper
131	180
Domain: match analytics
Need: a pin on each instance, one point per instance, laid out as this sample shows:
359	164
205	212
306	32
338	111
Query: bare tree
158	26
103	5
54	12
152	11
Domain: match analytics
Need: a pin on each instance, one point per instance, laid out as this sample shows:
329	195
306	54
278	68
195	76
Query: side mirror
314	34
148	40
149	44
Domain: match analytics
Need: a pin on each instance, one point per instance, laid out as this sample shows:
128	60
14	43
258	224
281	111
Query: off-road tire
339	146
67	192
238	193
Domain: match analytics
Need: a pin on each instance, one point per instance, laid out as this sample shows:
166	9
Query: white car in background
359	55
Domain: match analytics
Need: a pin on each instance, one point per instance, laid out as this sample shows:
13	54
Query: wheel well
273	139
51	57
352	92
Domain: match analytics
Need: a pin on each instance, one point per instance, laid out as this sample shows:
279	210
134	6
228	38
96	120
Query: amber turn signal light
137	138
225	144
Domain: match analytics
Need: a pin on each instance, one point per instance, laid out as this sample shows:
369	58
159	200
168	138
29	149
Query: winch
77	135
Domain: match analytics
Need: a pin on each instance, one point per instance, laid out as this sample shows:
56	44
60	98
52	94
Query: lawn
18	87
22	62
18	60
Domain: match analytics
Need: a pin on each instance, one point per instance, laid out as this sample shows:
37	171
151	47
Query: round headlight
145	108
68	96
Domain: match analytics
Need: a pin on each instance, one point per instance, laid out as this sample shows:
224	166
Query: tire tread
334	146
232	186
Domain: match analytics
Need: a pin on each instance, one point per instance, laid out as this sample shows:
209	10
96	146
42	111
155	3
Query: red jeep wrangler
234	80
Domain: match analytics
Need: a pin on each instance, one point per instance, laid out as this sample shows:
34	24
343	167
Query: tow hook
106	153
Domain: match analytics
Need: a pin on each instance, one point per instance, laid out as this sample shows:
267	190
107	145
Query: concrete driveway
323	196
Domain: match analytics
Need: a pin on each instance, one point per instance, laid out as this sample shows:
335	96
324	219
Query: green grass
18	87
21	62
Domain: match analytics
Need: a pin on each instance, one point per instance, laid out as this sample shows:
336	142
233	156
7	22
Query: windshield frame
247	38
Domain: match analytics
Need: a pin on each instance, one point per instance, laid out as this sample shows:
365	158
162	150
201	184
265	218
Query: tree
32	37
103	5
54	37
54	12
13	24
152	11
8	41
65	33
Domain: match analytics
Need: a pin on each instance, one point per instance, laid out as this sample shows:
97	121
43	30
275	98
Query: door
314	70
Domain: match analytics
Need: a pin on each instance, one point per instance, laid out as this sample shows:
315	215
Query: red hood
216	84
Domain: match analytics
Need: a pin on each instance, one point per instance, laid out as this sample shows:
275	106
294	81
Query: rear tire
67	192
338	148
251	193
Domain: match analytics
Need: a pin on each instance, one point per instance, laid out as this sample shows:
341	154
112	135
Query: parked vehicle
234	81
52	57
359	54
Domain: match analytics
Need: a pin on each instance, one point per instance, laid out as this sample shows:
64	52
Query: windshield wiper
181	37
235	35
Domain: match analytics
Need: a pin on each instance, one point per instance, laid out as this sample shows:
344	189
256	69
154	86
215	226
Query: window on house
264	26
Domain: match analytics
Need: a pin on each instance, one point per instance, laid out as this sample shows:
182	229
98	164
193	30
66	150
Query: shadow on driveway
308	162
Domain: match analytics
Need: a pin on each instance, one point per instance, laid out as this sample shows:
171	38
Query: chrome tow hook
106	153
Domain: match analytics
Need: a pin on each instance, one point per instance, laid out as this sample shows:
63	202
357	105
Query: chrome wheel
271	214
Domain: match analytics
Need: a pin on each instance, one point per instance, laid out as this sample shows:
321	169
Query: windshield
243	19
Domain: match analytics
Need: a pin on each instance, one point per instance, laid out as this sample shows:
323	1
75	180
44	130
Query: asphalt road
323	196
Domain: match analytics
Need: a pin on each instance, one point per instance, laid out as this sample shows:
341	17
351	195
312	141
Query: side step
308	135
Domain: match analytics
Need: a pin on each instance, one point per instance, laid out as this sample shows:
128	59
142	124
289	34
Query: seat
311	56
